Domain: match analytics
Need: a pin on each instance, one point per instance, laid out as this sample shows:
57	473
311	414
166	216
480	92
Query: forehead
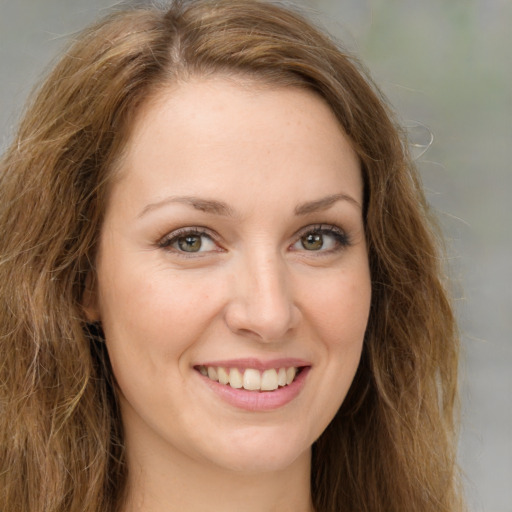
208	134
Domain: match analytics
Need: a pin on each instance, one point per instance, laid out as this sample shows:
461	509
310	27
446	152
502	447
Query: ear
90	299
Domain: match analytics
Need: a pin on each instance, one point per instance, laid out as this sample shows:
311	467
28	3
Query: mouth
251	379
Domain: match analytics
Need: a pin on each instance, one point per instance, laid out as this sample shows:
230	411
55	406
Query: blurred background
446	65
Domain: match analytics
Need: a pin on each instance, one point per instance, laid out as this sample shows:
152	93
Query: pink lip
257	400
257	364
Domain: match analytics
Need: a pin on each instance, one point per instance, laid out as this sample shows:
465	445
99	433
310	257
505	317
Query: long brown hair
390	447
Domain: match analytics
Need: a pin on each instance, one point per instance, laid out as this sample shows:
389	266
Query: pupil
191	243
312	241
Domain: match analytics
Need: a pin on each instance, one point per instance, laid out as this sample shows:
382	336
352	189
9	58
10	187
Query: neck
171	482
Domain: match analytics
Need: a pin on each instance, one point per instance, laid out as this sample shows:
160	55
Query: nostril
263	322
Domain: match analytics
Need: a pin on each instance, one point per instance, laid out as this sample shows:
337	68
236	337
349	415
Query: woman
219	281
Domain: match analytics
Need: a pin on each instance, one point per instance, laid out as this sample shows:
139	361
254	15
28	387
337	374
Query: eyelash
341	239
168	240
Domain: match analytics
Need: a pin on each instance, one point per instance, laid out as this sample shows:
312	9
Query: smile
251	379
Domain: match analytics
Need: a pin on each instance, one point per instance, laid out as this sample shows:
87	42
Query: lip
257	364
258	401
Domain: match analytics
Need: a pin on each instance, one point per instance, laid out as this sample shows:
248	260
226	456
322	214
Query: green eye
312	241
189	243
323	238
188	240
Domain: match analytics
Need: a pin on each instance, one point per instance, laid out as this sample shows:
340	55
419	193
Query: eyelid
167	240
325	228
342	238
340	234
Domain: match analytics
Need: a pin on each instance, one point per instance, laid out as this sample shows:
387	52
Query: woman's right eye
189	241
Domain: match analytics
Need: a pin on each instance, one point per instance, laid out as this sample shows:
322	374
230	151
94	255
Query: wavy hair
391	446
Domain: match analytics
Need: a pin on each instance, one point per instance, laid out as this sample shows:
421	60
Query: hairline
158	92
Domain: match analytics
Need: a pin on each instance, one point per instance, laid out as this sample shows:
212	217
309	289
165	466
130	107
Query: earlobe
90	299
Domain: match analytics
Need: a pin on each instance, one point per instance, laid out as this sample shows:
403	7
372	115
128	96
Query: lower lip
258	400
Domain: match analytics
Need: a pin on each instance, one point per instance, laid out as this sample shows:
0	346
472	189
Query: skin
254	290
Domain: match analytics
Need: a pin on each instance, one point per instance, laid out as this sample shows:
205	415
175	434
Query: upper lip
257	364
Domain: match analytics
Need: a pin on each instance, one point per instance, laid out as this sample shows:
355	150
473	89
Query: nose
261	305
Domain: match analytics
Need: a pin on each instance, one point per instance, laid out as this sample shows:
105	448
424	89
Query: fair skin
233	241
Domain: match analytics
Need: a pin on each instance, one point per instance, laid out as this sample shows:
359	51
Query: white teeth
269	380
235	378
223	375
250	379
281	377
212	373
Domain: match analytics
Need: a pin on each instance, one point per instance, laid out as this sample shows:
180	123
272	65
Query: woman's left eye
321	239
190	242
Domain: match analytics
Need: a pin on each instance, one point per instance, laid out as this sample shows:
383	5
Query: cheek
156	312
337	314
340	306
340	316
152	321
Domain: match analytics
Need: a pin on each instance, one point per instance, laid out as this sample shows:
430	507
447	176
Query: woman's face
232	275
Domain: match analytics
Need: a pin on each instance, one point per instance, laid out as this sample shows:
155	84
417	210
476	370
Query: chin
251	464
251	453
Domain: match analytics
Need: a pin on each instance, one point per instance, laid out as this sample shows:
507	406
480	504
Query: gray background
448	65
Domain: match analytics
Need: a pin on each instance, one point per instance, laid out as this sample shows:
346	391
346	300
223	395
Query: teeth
250	379
269	380
223	375
281	377
235	378
290	375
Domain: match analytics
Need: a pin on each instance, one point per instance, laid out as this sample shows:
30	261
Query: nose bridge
262	304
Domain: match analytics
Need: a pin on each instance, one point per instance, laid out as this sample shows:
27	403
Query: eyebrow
324	203
215	207
205	205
